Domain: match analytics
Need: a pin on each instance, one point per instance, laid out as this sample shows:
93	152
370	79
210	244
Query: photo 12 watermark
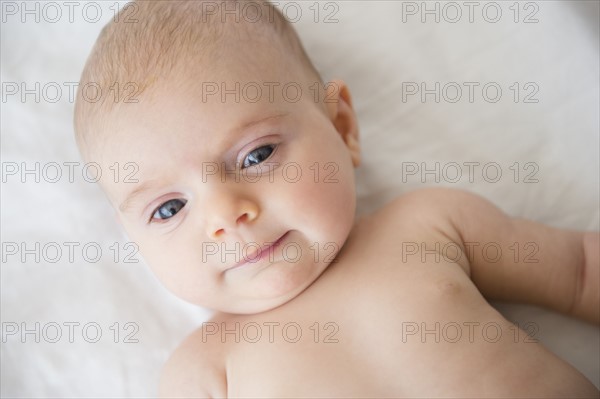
254	11
68	172
267	91
488	251
452	12
54	12
467	331
69	252
69	332
469	172
470	92
269	171
290	332
253	252
53	92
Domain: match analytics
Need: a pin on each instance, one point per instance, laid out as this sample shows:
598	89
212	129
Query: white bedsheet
383	50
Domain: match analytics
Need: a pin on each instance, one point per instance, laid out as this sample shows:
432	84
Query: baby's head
216	137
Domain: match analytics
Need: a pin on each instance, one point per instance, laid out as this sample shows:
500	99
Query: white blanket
526	137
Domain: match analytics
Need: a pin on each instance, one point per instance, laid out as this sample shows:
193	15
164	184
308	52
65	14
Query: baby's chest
360	336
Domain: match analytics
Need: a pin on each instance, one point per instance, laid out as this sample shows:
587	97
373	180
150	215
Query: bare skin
374	311
375	297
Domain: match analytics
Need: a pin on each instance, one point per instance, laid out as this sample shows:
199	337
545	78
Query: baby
236	179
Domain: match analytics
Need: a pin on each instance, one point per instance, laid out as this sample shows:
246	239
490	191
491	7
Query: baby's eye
168	209
258	155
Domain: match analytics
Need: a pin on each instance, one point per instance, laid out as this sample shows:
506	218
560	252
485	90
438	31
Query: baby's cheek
324	206
178	268
158	261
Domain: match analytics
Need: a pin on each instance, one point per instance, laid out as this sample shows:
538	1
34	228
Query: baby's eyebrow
234	134
262	120
145	186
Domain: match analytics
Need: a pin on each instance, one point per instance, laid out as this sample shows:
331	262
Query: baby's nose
227	214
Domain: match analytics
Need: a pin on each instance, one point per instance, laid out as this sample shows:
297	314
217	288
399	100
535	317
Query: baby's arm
556	268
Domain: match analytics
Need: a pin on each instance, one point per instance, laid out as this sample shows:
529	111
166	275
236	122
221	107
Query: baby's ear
339	108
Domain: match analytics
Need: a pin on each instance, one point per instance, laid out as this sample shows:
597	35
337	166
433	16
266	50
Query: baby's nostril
219	232
243	218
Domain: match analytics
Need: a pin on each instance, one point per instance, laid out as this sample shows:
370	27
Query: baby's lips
258	254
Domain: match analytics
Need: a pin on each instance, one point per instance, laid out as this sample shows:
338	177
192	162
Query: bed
496	98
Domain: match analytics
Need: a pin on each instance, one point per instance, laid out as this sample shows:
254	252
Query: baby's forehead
176	52
208	117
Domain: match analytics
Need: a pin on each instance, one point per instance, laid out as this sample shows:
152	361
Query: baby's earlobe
353	143
354	147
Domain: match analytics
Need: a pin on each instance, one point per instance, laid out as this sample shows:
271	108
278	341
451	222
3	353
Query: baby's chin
274	289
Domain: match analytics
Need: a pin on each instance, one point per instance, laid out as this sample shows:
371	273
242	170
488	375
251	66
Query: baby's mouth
260	254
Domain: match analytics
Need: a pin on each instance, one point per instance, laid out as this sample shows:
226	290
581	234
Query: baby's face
220	180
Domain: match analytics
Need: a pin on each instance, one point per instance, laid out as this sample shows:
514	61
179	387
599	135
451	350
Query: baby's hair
150	40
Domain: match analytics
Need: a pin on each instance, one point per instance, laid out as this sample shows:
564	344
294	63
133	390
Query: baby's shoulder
431	199
427	207
428	216
196	369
